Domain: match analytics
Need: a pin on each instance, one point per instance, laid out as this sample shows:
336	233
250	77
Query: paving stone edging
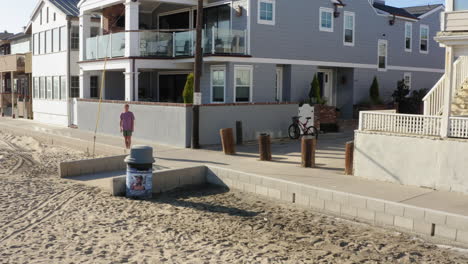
437	225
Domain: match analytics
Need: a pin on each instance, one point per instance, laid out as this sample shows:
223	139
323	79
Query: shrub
374	92
402	91
314	94
188	90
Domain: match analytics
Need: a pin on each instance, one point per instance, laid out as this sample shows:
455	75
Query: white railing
434	100
400	124
459	127
460	71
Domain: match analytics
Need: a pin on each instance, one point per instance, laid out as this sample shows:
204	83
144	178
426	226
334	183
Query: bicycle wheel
294	132
312	131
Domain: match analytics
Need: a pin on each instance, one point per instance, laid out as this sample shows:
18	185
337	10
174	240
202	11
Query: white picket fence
459	127
400	124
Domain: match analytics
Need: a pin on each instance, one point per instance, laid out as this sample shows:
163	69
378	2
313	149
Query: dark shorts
127	133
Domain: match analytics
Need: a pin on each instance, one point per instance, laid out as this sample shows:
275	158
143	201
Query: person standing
127	125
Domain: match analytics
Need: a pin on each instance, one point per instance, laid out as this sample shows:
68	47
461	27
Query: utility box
139	182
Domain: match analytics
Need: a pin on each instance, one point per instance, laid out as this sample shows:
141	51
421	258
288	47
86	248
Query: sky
15	14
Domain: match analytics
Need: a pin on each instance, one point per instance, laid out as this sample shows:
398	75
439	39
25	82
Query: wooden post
349	158
13	97
308	146
227	140
197	75
264	147
239	138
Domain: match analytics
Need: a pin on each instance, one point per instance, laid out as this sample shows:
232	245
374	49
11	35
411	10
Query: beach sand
45	219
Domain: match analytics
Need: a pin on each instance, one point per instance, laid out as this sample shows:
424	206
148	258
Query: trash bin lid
140	155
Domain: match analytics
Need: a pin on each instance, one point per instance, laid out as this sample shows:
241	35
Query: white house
55	38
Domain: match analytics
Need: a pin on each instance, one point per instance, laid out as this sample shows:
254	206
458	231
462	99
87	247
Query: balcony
12	63
169	44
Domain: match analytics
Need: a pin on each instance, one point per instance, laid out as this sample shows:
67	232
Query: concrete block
222	174
325	195
383	219
273	193
243	177
308	190
248	187
333	206
457	222
255	180
200	176
357	202
269	183
394	209
341	198
237	185
63	170
436	218
118	186
376	206
261	190
212	178
445	232
404	222
185	179
170	181
423	228
462	236
293	188
414	213
233	175
348	211
85	167
366	215
287	197
303	200
317	203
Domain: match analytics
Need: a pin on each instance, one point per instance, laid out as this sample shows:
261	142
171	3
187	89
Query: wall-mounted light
239	11
336	13
392	21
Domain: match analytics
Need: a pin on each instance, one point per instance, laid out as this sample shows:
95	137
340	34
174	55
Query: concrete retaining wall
256	119
436	225
425	162
163	124
89	166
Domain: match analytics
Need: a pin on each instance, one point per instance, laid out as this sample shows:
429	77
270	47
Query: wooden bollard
227	140
264	147
349	156
308	146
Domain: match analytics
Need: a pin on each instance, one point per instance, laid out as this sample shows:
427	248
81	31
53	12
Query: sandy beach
45	219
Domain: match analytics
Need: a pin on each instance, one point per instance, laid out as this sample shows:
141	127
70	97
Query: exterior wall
160	123
426	162
273	119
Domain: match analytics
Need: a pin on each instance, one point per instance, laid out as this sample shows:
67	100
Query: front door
279	85
325	78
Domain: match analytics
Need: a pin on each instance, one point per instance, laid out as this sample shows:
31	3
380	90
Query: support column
447	108
85	33
2	90
131	86
13	97
85	89
132	20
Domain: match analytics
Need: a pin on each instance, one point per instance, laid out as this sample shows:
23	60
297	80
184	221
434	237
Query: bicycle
297	127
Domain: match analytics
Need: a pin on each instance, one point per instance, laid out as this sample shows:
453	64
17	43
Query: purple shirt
127	119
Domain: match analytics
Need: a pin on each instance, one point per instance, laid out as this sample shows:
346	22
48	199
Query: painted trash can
139	182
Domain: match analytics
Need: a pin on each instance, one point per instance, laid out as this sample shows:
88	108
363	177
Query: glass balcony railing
166	44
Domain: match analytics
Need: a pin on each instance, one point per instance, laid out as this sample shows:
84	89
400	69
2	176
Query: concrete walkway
285	166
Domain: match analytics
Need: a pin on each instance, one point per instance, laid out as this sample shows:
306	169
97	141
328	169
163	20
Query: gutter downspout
68	70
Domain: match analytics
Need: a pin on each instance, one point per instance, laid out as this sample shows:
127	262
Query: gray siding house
257	52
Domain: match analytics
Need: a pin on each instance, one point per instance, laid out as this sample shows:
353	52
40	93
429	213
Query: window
459	5
42	49
63	38
266	12
242	83
49	88
42	87
36	87
75	38
326	19
47	15
40	17
408	36
36	43
56	81
63	87
55	16
218	83
48	37
407	79
94	87
56	40
382	54
349	28
75	87
424	39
